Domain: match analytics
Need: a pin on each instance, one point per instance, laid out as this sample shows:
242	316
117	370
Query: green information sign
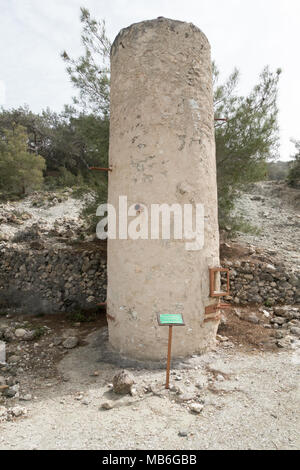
170	319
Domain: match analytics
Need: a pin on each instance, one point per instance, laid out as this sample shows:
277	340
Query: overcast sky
248	34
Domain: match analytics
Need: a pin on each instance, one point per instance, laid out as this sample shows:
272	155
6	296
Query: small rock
252	318
18	411
133	391
282	311
20	333
196	408
70	342
278	320
26	397
57	341
222	339
107	405
184	397
29	335
220	378
295	331
122	382
266	313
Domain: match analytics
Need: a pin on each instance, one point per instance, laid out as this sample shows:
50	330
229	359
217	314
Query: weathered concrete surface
162	150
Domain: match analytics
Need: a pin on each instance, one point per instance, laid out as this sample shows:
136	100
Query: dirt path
251	401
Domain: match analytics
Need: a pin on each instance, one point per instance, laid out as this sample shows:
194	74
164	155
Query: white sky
248	34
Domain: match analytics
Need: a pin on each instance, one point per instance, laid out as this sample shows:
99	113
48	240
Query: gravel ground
250	396
272	208
53	210
251	401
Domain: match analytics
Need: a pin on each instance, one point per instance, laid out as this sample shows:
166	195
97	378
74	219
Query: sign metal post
170	320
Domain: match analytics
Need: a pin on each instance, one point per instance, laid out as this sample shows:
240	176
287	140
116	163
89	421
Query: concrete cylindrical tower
162	150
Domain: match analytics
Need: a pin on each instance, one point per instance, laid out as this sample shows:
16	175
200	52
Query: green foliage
38	332
278	171
63	178
82	317
20	170
89	211
249	137
69	142
90	72
294	173
36	126
240	224
76	141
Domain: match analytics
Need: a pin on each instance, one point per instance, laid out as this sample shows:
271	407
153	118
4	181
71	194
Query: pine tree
249	137
20	170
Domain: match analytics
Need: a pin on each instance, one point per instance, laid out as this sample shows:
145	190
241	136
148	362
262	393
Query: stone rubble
284	320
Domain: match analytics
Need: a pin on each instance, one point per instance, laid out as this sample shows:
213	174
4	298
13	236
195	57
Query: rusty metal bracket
214	309
211	309
97	168
212	282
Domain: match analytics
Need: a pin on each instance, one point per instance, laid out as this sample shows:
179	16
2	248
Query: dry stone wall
62	280
263	283
51	280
